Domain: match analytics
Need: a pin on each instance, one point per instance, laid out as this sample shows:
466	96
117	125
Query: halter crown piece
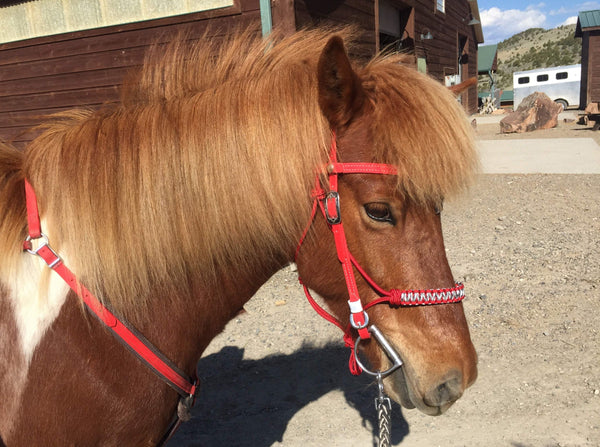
329	203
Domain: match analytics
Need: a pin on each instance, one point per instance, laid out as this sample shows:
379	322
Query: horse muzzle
432	398
434	401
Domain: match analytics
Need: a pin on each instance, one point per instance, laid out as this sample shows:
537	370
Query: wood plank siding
50	74
591	67
585	71
86	68
360	13
450	31
442	42
588	29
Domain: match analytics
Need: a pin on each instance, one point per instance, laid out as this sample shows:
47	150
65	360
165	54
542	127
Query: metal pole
265	17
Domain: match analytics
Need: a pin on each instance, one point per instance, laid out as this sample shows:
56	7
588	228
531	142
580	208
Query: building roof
486	58
587	21
507	95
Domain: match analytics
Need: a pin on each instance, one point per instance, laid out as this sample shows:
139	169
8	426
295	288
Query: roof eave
478	28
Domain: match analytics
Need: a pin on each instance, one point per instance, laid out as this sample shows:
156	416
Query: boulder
593	108
537	111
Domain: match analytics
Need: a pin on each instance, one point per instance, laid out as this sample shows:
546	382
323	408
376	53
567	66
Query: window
524	80
396	28
562	75
542	78
441	5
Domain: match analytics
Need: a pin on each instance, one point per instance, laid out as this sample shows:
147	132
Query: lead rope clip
383	405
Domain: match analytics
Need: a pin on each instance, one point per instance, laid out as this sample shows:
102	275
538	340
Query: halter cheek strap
329	204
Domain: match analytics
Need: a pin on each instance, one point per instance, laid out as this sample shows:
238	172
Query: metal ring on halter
387	348
359	326
42	244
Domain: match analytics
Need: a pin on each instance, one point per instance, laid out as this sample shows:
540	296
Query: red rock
537	111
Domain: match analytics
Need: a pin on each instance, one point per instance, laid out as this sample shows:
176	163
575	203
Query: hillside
535	48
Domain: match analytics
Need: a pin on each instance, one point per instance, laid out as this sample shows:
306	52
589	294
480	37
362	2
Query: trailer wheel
564	104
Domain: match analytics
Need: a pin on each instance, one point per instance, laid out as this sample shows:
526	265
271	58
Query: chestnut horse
176	204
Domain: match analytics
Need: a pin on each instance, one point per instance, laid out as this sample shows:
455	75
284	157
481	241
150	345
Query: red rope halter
328	202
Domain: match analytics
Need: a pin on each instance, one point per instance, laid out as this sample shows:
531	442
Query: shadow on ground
249	403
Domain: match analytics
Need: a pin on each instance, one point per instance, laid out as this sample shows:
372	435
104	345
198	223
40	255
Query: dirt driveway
527	248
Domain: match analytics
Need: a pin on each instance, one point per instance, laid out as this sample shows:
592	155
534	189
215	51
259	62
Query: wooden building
588	29
443	35
57	55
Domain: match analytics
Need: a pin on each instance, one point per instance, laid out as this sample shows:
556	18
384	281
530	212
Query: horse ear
341	94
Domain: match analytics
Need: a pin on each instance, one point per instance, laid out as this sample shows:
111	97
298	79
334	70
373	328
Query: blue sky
503	18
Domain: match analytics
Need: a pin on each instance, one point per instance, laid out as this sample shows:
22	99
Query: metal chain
383	405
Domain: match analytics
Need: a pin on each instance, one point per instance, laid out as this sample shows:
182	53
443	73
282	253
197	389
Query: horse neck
195	320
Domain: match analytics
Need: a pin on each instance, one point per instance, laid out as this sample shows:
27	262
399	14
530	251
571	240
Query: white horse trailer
561	84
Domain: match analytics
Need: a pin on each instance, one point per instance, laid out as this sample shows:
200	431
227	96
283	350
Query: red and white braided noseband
329	203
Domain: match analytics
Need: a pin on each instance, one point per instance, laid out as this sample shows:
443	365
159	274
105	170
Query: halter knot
318	193
349	342
395	297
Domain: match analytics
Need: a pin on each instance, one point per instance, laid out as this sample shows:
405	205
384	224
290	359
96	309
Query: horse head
392	223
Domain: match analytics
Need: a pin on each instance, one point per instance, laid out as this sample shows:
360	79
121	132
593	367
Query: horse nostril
445	393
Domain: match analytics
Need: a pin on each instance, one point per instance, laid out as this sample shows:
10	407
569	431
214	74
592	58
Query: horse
168	210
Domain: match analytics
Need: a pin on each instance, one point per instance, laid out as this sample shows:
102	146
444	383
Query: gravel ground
527	248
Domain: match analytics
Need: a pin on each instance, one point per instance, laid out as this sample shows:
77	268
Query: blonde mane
209	159
420	127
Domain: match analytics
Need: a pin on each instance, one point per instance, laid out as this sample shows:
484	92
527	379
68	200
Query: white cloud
500	24
560	11
588	6
570	21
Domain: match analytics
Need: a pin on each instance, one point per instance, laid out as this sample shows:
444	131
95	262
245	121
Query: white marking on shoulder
35	311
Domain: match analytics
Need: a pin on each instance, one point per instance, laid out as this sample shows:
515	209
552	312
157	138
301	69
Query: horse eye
380	212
